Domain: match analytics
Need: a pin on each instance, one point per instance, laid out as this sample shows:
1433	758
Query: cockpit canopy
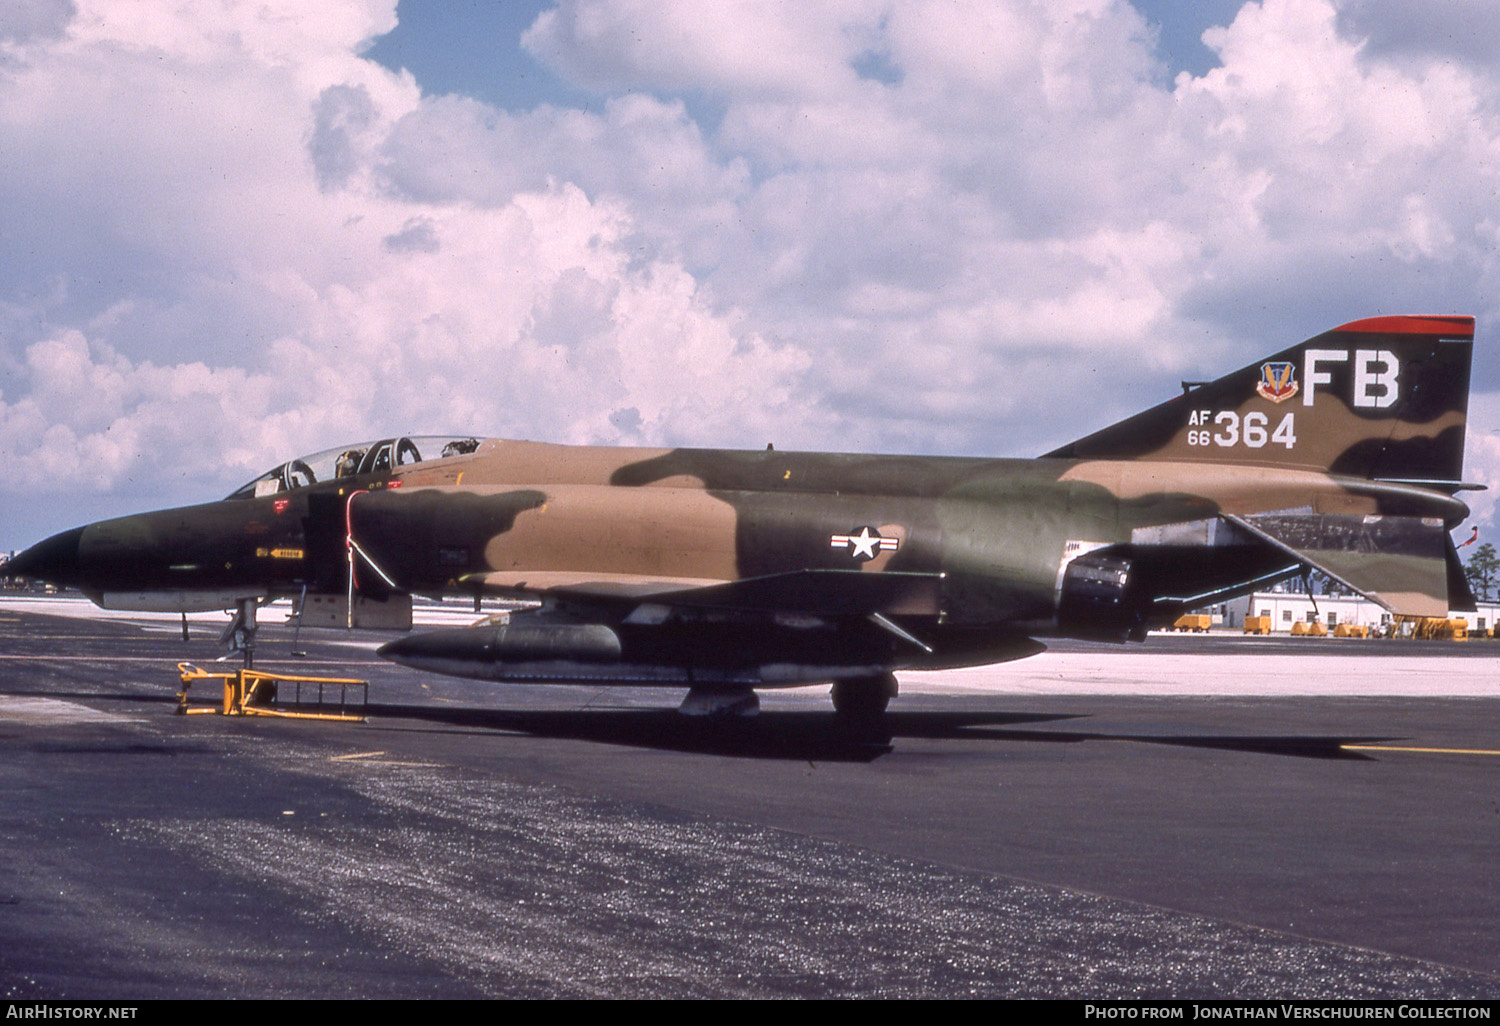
353	460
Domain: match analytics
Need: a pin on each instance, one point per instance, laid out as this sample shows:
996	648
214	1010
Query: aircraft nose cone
54	560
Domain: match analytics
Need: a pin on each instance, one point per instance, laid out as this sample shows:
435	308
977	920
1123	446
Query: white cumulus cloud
868	224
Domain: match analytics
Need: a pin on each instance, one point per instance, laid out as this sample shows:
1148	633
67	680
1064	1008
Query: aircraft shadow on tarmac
819	736
802	736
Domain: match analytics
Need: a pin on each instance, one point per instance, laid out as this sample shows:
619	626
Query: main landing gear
864	699
720	703
858	701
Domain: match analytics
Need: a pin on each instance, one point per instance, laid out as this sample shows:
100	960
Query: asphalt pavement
1178	830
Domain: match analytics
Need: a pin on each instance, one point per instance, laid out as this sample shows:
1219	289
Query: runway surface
1192	817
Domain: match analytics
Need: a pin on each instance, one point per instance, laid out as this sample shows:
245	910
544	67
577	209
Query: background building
1287	604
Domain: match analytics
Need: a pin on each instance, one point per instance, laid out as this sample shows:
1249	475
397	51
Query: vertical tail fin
1382	398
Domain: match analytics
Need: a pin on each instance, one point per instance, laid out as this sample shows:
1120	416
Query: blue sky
474	47
239	231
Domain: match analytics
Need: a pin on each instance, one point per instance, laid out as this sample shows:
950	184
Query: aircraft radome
723	572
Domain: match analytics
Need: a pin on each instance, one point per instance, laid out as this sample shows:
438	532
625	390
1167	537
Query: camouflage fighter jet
723	572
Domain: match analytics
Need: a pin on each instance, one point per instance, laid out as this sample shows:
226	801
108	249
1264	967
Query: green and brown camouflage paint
1341	453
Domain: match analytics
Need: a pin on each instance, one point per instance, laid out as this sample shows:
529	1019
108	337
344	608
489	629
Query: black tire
864	697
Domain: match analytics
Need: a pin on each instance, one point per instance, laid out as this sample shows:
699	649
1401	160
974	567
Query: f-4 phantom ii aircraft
724	572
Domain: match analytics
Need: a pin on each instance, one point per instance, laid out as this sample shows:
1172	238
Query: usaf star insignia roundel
864	544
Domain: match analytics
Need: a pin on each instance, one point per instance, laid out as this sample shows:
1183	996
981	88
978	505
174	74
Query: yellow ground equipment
1430	628
1257	625
256	693
1442	629
1198	623
1351	630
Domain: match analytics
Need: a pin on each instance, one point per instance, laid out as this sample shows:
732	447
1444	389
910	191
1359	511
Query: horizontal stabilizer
1399	562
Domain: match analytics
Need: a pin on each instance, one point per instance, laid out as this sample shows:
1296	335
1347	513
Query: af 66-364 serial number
1227	429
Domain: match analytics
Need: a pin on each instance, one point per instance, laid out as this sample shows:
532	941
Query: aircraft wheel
864	697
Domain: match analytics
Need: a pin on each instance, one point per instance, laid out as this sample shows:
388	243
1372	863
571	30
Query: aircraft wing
770	630
813	592
1403	563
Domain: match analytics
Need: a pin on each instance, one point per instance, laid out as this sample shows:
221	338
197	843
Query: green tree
1483	568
